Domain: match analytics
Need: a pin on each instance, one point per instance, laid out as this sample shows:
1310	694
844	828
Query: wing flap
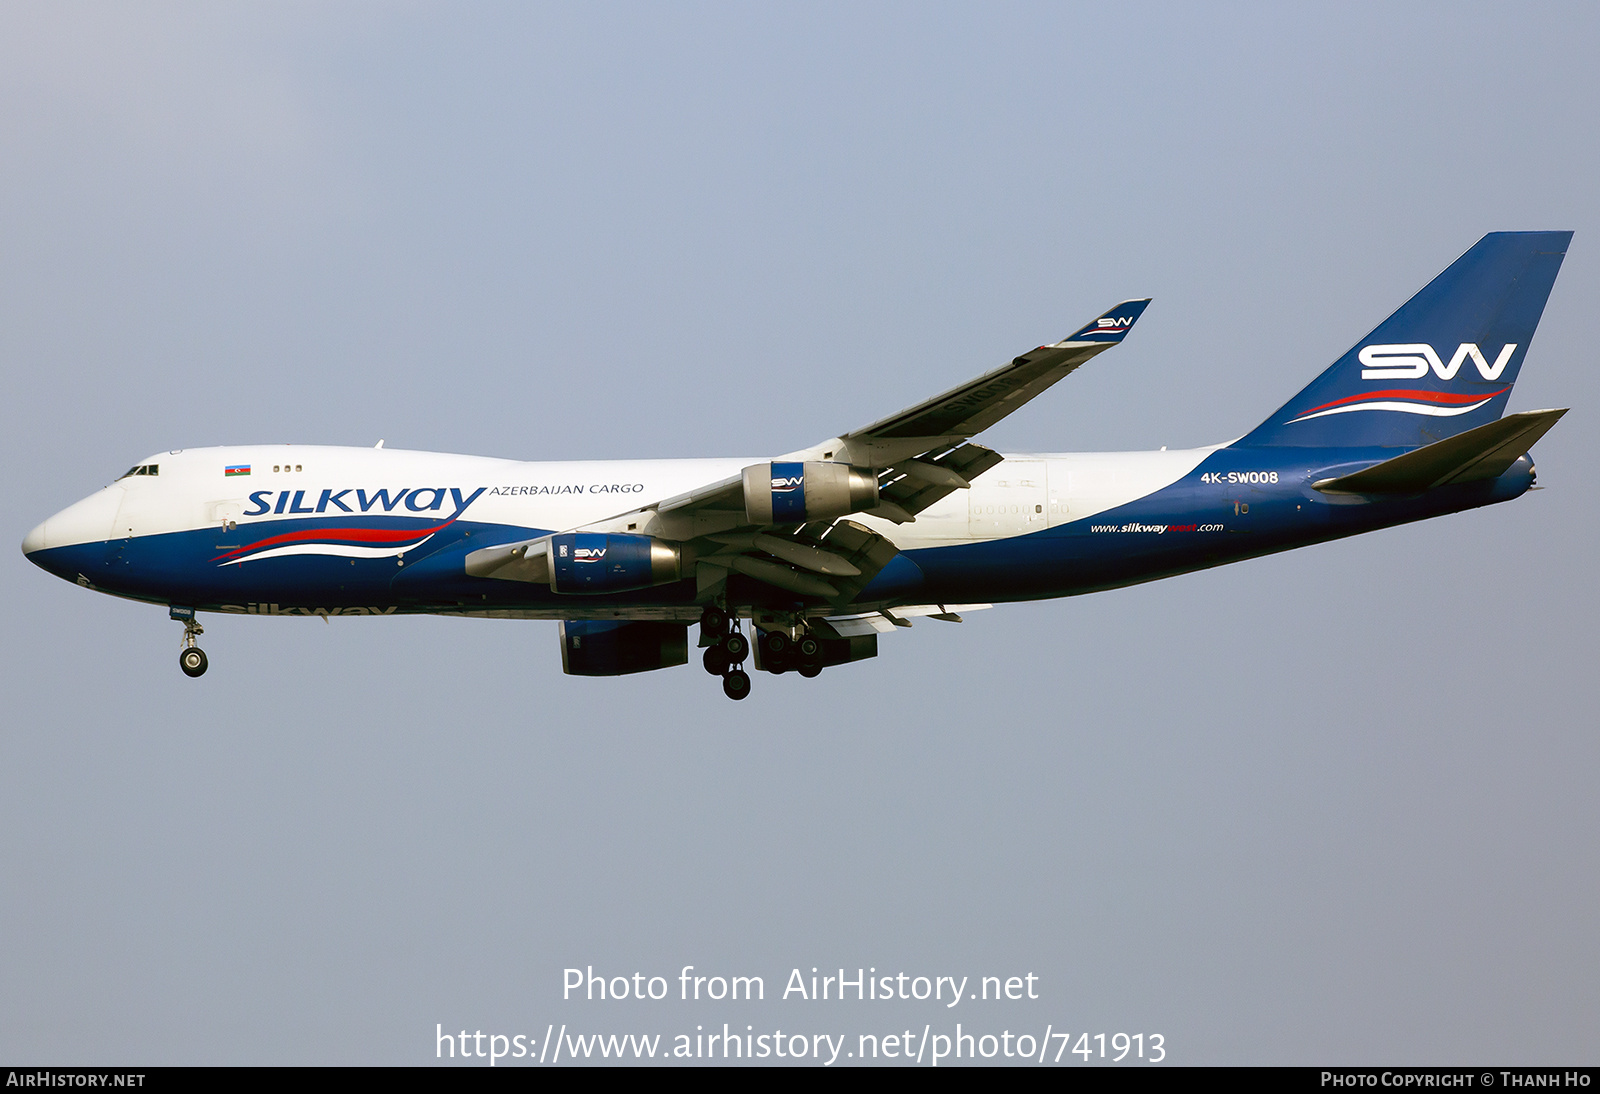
848	554
882	622
858	545
909	485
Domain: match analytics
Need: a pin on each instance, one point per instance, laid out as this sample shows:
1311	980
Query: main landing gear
191	659
780	653
725	651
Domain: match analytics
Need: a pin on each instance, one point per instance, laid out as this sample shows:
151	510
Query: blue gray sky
1335	806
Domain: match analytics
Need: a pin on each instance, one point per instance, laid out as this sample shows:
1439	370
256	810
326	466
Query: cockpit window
143	469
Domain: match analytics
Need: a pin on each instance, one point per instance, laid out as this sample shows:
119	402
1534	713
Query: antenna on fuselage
379	444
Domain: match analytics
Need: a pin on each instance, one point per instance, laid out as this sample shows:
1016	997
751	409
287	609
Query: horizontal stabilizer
1482	453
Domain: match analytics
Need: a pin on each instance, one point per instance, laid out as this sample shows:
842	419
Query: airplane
821	550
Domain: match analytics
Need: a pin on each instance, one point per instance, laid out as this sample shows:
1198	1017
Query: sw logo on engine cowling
1412	360
788	483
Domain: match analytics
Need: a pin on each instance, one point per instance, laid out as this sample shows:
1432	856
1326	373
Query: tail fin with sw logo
1444	363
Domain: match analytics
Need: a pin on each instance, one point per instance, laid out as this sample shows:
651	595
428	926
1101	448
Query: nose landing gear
191	659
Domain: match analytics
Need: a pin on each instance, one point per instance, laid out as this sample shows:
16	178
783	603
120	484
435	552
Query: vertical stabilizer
1444	363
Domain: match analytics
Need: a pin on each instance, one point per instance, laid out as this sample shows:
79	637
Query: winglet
1111	327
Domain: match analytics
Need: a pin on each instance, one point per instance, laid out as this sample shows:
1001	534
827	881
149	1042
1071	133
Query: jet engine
604	647
585	562
793	493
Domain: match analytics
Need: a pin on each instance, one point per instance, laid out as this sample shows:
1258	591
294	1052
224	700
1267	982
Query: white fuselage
191	491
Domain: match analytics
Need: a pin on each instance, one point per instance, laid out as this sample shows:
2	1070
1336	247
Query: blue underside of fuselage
1195	523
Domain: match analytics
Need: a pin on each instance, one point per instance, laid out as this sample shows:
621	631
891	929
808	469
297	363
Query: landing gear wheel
737	647
775	645
809	651
715	660
191	659
736	685
713	621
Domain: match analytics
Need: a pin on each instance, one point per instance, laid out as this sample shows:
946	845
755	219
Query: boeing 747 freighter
800	561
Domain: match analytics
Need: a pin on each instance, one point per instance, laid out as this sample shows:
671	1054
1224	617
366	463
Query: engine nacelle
793	493
587	562
616	648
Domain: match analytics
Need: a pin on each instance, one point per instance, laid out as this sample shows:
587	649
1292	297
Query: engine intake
587	562
793	493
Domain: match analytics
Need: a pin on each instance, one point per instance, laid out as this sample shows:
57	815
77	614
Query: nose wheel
191	659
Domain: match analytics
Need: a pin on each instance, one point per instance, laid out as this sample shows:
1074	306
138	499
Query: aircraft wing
922	452
969	408
918	456
824	560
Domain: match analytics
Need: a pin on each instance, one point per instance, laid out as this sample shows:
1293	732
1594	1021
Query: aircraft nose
86	523
36	540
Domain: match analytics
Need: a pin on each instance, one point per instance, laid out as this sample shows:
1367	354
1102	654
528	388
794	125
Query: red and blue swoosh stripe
339	542
1441	404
